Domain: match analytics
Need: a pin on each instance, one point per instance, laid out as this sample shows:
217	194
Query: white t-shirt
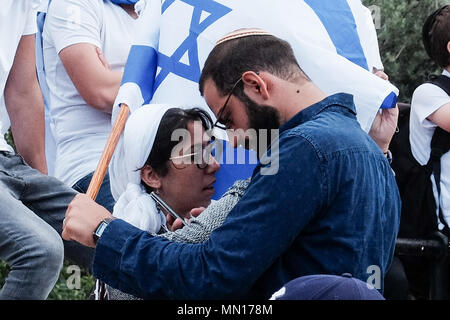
428	98
81	131
17	19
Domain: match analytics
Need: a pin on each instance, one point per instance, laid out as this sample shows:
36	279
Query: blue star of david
172	64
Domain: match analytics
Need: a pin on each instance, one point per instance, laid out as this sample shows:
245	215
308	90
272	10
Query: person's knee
55	254
43	250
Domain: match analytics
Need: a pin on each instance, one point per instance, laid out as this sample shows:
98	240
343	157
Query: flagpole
102	166
100	171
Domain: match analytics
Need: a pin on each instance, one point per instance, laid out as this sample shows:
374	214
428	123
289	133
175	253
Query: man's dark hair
230	59
436	35
172	120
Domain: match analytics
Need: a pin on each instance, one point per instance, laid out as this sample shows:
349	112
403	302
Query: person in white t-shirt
79	37
430	106
32	204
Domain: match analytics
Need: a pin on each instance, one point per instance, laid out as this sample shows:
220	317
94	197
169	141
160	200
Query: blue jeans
32	208
104	197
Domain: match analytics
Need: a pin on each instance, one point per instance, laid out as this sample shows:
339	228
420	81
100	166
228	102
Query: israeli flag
334	41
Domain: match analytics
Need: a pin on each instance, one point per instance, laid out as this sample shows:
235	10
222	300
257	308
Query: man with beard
330	207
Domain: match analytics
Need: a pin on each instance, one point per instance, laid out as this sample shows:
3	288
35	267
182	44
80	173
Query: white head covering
134	204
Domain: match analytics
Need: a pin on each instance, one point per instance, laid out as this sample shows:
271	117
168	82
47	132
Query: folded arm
89	72
25	105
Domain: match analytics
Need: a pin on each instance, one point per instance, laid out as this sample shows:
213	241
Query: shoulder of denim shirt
341	101
330	126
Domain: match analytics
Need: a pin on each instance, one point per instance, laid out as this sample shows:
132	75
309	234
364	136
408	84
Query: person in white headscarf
165	150
146	143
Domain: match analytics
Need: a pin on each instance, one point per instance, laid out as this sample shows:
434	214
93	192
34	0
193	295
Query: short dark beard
261	117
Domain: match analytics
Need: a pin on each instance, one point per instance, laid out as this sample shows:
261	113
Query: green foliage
9	139
61	291
400	40
4	269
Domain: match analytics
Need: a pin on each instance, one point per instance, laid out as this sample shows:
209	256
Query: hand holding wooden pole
100	171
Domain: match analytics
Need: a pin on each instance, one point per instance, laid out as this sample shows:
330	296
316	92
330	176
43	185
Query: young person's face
187	184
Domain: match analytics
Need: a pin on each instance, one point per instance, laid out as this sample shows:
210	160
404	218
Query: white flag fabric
334	42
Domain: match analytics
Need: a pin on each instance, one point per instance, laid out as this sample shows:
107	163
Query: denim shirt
333	207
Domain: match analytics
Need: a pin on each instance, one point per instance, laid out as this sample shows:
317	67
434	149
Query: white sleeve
31	23
70	22
426	100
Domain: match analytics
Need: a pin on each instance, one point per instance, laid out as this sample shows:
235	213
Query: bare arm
25	105
96	83
441	117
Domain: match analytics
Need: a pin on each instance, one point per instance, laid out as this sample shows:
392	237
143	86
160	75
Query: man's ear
256	85
448	47
150	177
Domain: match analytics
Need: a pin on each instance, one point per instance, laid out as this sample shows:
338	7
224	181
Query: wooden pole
100	172
102	166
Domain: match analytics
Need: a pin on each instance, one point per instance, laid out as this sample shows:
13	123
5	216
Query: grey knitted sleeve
201	227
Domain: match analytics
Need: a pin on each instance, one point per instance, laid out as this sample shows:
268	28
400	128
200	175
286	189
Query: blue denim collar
343	100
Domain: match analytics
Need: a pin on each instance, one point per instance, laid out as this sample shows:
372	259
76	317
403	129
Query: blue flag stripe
142	73
346	40
390	101
166	5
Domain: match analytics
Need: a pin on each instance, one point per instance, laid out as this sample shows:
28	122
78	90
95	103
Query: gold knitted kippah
241	33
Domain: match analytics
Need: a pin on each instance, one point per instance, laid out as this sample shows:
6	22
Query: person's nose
213	165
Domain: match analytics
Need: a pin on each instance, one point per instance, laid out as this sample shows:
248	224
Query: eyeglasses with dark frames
218	123
205	161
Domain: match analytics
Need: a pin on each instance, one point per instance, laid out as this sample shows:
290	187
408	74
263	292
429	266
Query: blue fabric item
124	1
390	101
133	72
172	64
333	207
235	164
346	40
40	68
328	287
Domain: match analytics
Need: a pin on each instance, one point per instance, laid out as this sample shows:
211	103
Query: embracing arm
25	105
234	257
